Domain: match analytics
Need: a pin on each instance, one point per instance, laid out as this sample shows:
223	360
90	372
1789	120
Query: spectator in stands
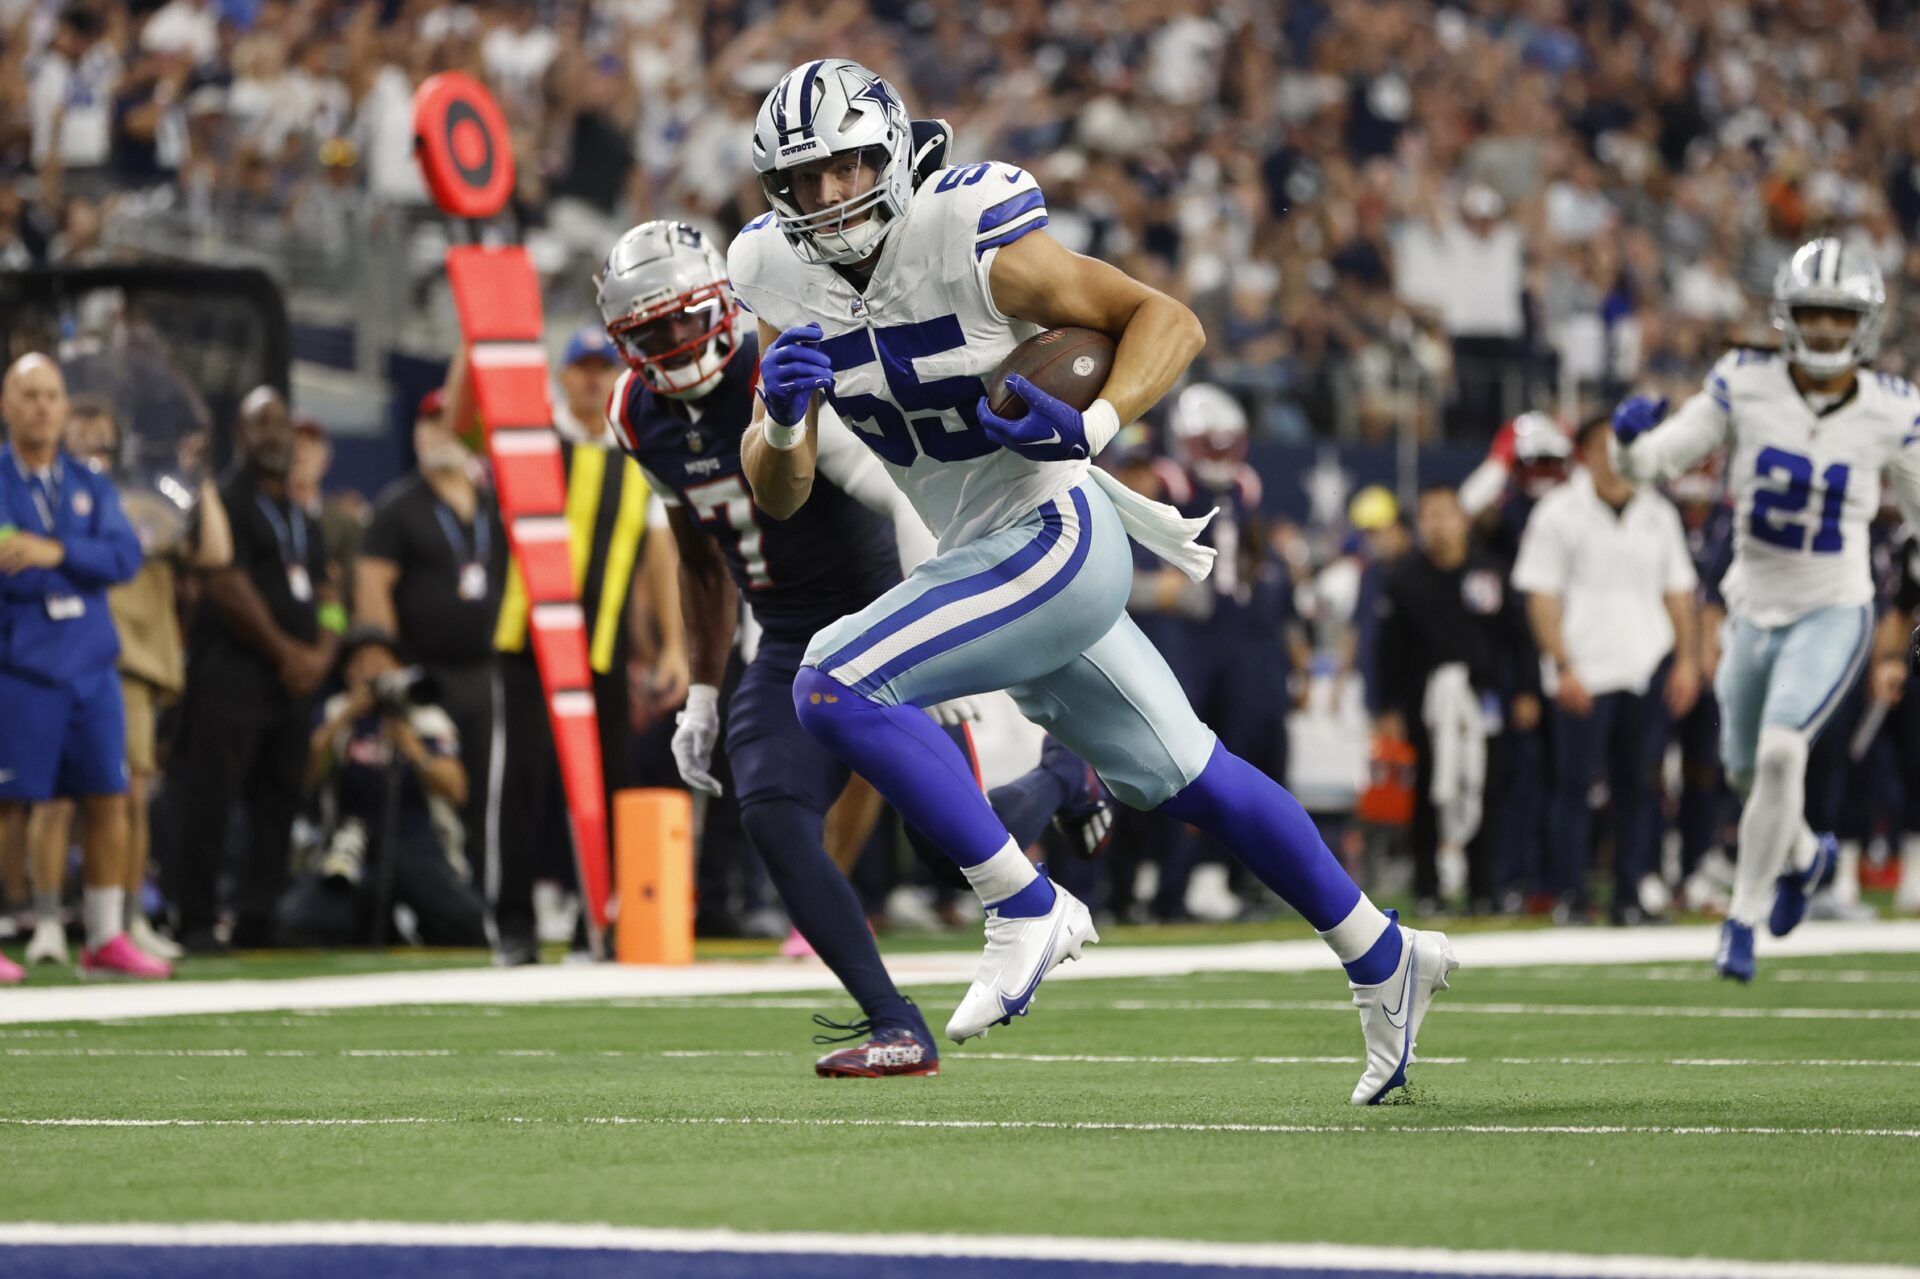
430	573
71	99
263	640
64	541
1453	662
386	758
1469	266
1609	583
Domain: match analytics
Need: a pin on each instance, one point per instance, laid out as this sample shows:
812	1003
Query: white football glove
955	710
698	727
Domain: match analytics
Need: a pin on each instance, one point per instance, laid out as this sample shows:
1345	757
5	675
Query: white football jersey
1805	482
911	354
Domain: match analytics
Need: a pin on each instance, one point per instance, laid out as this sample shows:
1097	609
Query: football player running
892	304
681	411
1808	429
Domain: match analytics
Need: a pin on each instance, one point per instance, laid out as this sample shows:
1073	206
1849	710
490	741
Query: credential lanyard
293	541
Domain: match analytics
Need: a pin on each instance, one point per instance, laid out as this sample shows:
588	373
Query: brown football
1068	364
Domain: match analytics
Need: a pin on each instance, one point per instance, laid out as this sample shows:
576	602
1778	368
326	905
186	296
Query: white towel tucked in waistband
1160	528
1457	729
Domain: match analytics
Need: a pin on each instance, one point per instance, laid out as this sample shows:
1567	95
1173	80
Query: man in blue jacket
63	541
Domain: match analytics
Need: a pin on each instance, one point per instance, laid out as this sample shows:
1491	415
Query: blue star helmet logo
877	91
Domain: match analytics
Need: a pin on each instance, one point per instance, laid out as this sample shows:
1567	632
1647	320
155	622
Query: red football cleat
892	1050
11	974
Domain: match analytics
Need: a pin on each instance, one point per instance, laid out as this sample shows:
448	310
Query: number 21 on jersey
1779	507
725	506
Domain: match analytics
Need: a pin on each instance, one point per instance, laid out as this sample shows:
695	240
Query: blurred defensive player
894	301
681	411
1808	430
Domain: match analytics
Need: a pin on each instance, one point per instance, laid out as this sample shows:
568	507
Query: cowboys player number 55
892	302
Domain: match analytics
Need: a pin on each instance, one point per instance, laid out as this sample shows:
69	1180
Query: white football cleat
1391	1012
1019	953
48	944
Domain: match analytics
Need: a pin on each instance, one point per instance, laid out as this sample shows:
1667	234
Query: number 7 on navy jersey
1776	511
725	506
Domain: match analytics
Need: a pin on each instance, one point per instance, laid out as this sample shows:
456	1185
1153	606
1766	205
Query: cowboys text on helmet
829	108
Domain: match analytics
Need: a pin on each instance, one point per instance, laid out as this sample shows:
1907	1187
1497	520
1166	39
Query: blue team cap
590	342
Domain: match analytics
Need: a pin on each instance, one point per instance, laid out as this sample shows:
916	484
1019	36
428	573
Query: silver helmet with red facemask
1209	431
664	295
1542	453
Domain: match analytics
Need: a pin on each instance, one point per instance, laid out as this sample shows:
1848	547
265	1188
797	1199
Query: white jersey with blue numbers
1805	480
912	353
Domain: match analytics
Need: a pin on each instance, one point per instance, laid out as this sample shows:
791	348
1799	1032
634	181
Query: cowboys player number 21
1808	431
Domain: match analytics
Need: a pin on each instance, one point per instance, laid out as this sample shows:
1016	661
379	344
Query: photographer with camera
387	760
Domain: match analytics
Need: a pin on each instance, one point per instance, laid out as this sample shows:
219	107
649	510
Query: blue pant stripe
969	631
941	596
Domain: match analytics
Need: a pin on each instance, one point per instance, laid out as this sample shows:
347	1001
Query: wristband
1101	422
702	698
333	617
784	437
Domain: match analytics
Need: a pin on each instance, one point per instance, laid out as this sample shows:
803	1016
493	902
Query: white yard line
1004	1125
1167	1252
550	983
1044	1059
1457	1007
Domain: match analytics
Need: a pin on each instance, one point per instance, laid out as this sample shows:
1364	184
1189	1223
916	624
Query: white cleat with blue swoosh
1391	1012
1020	953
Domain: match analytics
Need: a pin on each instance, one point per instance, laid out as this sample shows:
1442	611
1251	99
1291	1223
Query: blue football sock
1270	833
824	907
909	759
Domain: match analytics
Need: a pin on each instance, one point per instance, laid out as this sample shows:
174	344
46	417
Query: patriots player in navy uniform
681	411
1234	660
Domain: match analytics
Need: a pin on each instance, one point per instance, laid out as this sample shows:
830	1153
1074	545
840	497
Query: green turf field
1660	1095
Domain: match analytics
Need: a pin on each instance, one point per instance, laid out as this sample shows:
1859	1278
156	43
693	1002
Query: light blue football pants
1038	609
1792	676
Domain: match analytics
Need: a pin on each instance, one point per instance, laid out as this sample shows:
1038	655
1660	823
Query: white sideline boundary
1168	1252
539	984
998	1125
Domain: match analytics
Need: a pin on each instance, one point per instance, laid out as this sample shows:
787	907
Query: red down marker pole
461	141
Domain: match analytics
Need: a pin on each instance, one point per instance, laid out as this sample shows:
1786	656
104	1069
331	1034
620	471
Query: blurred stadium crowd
1392	215
1397	220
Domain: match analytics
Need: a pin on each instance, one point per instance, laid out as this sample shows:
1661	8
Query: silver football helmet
825	108
1826	273
664	295
1209	432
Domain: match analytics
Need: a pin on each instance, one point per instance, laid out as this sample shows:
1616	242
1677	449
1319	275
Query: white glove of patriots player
957	710
698	726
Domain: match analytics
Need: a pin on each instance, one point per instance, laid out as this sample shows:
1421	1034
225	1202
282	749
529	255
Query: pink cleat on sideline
120	959
11	974
796	947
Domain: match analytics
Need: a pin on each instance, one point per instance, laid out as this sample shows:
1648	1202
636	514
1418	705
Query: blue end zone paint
115	1261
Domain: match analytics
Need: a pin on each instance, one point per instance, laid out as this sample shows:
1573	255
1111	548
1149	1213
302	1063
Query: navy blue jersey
831	557
1710	541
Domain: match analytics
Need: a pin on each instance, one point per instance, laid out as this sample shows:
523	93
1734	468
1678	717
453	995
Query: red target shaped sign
461	141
